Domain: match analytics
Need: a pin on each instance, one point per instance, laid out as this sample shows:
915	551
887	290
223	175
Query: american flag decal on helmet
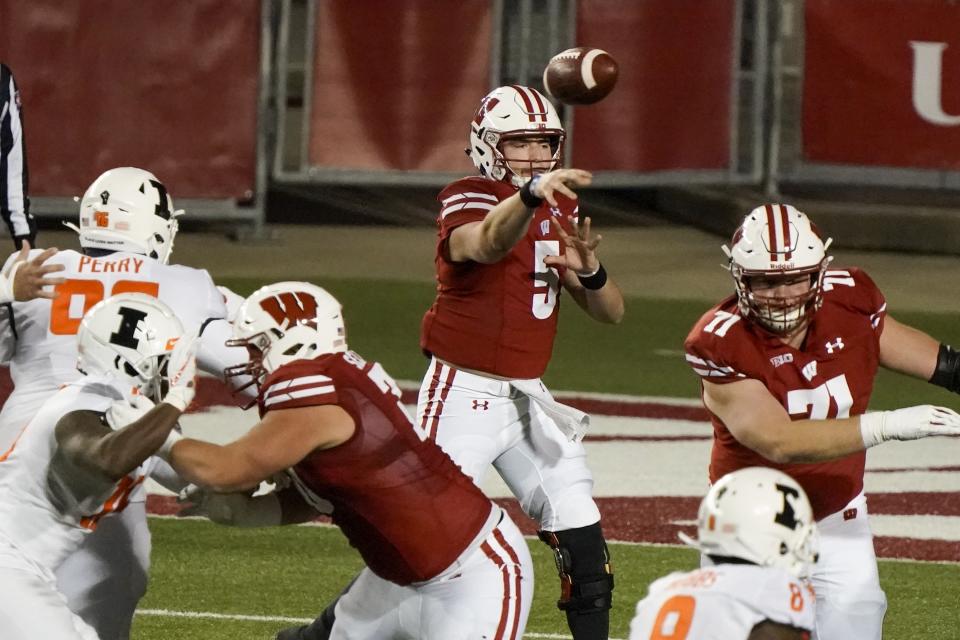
780	234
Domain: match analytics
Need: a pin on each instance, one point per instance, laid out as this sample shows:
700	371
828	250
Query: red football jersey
499	318
831	376
401	501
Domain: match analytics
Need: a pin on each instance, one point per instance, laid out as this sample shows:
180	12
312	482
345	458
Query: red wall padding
671	106
167	86
858	105
395	84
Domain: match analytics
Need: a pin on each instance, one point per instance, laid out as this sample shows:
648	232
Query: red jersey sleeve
852	289
466	200
715	348
302	383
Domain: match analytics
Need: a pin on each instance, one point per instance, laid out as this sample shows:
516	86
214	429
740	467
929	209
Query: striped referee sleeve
14	203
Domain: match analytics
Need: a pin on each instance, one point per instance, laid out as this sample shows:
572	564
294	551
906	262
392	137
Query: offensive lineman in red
443	561
508	240
787	367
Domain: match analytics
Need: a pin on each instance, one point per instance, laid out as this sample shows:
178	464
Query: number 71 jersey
724	602
830	376
38	338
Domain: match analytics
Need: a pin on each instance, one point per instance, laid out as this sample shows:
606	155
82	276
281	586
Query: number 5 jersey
498	318
830	376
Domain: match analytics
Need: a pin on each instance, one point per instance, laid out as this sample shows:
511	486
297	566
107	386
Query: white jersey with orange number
723	602
38	338
47	503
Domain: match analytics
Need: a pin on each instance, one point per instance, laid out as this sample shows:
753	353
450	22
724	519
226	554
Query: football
582	75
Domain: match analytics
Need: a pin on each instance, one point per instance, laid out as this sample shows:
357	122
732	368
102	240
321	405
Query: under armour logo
481	405
104	197
809	370
555	212
836	344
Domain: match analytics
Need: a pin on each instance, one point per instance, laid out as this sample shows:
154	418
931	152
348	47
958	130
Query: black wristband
526	194
596	281
947	373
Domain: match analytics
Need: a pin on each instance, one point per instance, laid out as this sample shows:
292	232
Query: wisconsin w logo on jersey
293	307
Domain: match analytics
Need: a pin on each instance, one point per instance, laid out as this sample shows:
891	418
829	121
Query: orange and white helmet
283	322
778	240
760	515
128	209
130	336
509	112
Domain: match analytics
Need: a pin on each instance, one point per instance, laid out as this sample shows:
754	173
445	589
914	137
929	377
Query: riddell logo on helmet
781	266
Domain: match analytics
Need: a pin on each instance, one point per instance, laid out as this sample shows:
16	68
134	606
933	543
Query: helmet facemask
519	170
783	316
778	243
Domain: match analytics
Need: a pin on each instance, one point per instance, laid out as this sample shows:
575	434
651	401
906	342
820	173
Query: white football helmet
283	322
128	209
760	515
129	335
513	112
778	240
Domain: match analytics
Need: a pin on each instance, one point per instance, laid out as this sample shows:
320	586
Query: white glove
126	411
182	371
911	423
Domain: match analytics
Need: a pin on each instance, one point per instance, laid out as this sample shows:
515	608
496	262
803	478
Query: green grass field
294	572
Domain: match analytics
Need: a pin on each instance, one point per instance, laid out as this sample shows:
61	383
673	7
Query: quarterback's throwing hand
911	423
560	181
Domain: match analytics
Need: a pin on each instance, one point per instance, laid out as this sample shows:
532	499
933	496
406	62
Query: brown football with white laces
582	75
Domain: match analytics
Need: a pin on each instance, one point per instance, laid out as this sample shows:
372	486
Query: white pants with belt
479	420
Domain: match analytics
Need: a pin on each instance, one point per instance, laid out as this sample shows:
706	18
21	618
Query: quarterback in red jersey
442	560
508	240
787	367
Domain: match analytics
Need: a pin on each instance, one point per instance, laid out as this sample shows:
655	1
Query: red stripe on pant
437	368
444	392
516	562
505	608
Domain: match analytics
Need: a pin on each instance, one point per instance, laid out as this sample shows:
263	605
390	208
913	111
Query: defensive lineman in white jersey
68	473
127	228
756	527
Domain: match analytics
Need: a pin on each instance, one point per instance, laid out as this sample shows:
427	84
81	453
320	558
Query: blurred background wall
357	111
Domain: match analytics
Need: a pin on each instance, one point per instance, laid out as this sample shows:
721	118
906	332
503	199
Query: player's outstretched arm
907	350
279	441
758	421
491	239
585	277
89	442
241	509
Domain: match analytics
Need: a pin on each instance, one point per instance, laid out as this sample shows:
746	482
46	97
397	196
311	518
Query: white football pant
485	594
104	579
30	605
850	602
478	420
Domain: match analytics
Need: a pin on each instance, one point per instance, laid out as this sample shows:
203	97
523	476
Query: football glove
911	423
182	372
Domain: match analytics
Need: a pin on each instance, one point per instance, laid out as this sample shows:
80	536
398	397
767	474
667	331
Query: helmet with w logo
513	112
283	322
